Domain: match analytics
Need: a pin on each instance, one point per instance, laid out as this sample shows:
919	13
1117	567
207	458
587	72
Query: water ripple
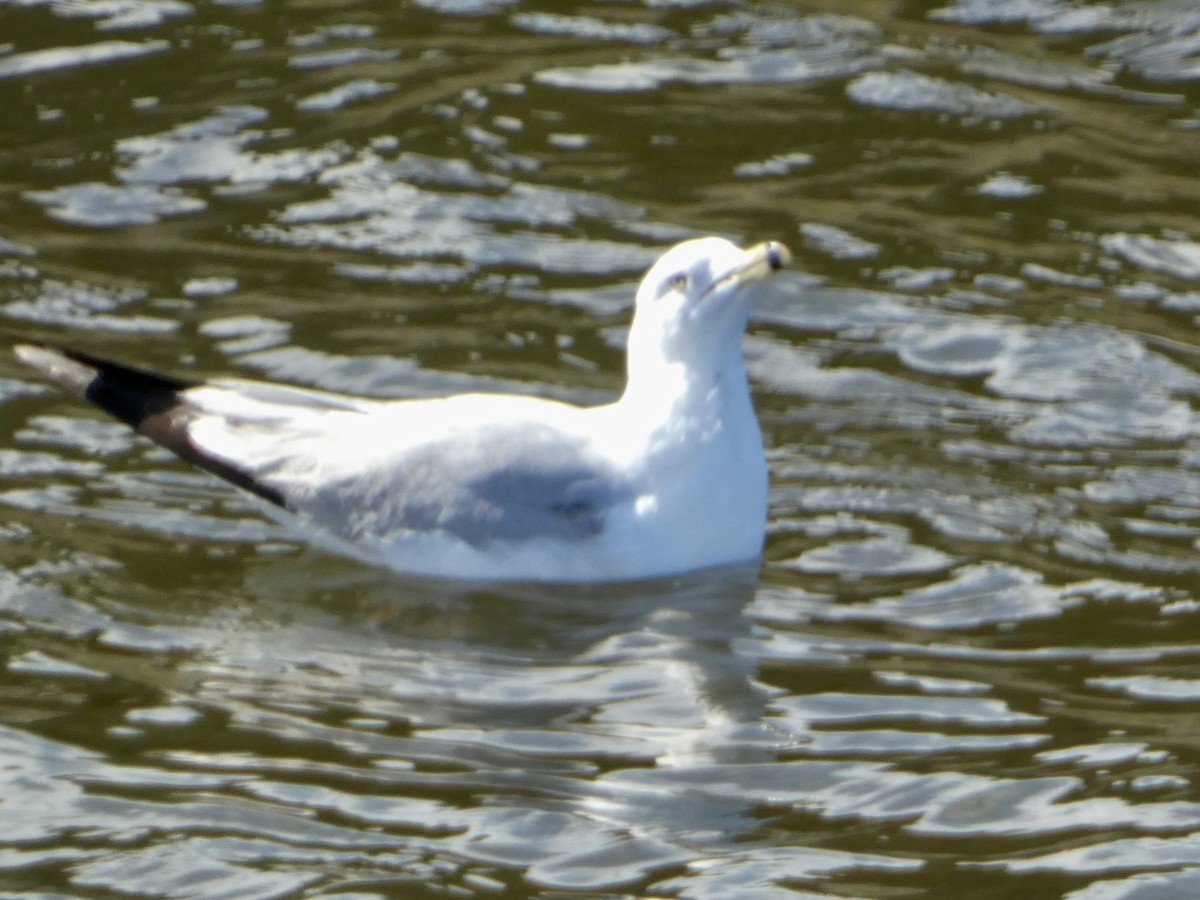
968	664
912	91
36	62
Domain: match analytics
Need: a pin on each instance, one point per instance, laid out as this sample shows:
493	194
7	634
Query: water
969	665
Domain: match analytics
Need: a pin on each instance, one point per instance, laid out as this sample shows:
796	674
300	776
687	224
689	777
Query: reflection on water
968	666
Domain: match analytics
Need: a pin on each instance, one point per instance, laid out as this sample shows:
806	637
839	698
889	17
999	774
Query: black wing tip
148	402
126	392
40	354
129	394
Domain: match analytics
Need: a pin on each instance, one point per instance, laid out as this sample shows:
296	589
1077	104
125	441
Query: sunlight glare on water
969	664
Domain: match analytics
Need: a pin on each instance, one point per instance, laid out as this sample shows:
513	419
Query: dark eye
678	282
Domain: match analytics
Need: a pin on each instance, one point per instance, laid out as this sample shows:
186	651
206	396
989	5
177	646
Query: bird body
669	478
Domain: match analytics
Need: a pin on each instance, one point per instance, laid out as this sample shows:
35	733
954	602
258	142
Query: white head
694	303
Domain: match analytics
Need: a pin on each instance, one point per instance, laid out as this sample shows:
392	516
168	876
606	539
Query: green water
969	665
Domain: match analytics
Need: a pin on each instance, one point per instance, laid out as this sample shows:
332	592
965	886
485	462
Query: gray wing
504	481
498	482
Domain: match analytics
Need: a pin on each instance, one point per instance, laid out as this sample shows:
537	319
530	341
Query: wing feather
361	468
151	404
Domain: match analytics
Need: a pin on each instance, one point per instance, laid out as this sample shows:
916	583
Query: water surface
969	666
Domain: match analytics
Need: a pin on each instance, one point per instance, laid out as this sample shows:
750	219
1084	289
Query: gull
668	479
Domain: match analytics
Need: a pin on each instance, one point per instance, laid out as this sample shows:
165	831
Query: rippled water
970	666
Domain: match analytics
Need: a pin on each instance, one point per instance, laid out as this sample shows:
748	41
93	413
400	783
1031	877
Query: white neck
694	452
680	404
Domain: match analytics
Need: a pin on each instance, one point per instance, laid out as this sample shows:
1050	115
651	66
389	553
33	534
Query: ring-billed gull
667	479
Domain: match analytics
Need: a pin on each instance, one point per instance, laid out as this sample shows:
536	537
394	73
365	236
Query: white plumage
669	478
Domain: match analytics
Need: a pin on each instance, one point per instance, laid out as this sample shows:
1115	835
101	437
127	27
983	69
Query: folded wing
479	468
